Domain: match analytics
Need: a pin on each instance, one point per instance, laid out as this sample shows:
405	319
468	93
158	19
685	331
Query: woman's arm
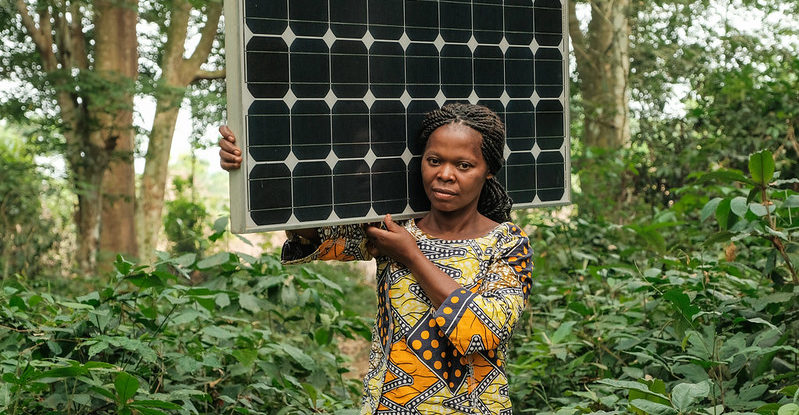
473	321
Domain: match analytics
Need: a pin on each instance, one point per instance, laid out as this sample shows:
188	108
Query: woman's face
453	168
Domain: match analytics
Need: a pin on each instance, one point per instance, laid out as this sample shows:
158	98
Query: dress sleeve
484	319
340	243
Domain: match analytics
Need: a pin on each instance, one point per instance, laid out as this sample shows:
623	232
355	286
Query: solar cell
328	97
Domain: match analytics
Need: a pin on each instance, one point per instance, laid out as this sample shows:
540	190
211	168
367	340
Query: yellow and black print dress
448	360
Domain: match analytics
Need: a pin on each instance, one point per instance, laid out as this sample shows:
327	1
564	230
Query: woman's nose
446	173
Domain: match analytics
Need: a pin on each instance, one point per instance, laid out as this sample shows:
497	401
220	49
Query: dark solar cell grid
334	93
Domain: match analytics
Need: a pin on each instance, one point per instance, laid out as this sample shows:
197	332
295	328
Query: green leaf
214	260
218	332
245	356
791	201
723	214
64	372
322	336
149	403
97	348
220	225
243	239
562	332
681	303
185	260
126	386
222	300
684	394
144	280
581	308
76	306
723	236
123	266
82	398
761	167
790	390
652	408
785	181
103	392
739	206
249	302
789	409
758	209
300	356
709	208
627	384
723	176
776	233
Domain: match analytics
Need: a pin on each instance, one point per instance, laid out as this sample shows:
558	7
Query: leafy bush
29	231
184	222
665	316
255	338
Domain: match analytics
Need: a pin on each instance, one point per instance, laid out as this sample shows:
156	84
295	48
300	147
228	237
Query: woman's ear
489	176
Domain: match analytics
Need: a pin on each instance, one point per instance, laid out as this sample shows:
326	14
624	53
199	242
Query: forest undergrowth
691	308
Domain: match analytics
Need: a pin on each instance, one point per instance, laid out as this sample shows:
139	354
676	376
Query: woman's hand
398	244
229	152
393	241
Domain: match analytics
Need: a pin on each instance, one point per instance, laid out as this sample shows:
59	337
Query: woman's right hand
229	152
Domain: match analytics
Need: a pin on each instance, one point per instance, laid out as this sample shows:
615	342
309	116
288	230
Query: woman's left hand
394	241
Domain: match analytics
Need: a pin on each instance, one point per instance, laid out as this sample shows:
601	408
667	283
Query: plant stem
775	240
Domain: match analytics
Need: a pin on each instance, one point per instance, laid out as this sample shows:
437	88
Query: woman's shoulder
509	229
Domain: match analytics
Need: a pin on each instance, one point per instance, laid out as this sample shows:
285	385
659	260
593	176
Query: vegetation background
669	287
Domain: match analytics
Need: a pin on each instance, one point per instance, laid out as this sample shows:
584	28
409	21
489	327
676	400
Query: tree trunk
88	217
603	65
117	57
177	73
153	180
116	62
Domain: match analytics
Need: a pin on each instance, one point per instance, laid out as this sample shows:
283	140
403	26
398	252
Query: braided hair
494	202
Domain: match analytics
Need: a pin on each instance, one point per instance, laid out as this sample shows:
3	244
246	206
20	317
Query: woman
450	286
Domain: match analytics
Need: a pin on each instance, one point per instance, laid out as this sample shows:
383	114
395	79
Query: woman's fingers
229	152
227	134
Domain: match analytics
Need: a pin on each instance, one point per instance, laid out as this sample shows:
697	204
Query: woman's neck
467	224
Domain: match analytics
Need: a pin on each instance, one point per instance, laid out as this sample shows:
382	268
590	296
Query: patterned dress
449	360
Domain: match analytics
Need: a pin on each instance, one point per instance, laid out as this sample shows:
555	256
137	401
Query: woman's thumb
390	225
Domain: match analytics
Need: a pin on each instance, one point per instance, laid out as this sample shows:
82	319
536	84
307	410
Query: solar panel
327	99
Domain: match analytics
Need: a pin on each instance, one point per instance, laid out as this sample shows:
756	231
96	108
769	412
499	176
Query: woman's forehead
455	138
456	129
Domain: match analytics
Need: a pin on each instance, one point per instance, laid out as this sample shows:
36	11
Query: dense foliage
691	310
253	337
666	315
29	199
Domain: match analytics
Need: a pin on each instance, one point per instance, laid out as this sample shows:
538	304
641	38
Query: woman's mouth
445	194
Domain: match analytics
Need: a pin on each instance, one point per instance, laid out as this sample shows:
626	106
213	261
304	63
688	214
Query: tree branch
63	36
208	34
78	40
44	44
172	62
200	75
578	39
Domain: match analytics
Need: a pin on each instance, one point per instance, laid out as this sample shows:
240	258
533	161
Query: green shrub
665	315
255	338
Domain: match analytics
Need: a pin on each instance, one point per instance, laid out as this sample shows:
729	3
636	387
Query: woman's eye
433	161
464	166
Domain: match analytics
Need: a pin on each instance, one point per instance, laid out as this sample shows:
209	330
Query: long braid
494	203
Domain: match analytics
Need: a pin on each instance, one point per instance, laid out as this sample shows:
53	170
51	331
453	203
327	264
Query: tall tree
78	64
177	72
89	72
603	67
